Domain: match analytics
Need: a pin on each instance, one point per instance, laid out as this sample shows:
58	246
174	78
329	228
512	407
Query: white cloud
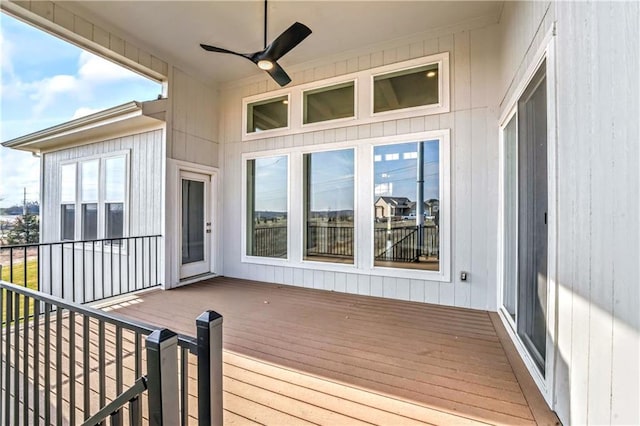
84	111
6	64
96	70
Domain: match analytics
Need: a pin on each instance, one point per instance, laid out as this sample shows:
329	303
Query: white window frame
302	208
101	202
82	202
444	158
363	103
64	202
363	217
264	133
336	121
259	259
442	60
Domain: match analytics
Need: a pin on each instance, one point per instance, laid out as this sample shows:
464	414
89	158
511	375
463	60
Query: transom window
100	198
329	103
406	88
268	114
416	87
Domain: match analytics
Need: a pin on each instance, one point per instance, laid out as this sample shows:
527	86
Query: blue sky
395	170
45	81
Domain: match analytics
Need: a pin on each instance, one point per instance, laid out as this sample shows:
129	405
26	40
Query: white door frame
203	266
174	225
544	382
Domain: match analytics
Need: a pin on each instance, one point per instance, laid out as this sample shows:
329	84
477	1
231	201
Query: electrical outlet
463	276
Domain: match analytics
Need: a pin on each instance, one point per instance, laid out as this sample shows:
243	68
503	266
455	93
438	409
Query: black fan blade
278	74
286	41
221	50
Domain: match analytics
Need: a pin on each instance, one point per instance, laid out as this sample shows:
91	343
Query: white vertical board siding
145	181
597	369
143	215
598	374
192	127
473	171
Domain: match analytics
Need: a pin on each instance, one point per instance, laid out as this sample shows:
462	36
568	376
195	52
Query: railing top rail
188	342
14	246
132	325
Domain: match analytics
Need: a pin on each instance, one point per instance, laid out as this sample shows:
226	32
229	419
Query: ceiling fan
267	58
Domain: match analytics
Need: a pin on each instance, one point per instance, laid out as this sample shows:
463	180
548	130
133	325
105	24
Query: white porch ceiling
172	30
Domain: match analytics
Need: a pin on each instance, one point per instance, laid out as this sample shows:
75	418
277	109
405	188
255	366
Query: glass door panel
195	224
192	221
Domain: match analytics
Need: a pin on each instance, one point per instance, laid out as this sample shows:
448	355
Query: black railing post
162	378
209	329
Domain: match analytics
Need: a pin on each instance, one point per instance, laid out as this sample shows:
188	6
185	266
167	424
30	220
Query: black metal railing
64	363
85	270
331	240
406	244
269	241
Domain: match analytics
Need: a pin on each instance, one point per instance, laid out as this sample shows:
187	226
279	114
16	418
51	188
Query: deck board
365	359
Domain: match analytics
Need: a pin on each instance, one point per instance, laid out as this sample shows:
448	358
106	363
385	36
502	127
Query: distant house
394	207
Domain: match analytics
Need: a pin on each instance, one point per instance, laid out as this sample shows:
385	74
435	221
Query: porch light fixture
431	74
265	65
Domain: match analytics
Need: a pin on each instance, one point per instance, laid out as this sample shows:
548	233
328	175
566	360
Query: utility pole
420	198
24	202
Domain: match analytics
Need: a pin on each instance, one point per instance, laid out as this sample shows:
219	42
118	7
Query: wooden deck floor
299	356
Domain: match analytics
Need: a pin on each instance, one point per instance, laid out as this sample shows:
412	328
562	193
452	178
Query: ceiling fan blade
221	50
286	41
278	74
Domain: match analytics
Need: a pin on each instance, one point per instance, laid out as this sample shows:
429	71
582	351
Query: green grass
19	279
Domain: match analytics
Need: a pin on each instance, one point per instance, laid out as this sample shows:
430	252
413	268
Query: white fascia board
103	125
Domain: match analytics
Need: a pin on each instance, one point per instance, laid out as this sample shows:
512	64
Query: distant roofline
130	110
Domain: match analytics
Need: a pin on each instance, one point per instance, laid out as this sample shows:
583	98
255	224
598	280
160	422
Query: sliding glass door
525	218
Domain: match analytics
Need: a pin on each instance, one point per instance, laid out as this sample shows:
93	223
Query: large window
329	206
89	199
267	207
68	201
114	196
100	199
407	205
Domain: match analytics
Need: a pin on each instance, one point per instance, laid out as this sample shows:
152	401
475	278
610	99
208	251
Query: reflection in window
329	103
68	183
329	206
267	207
269	114
89	184
510	216
407	88
407	205
67	224
89	221
114	175
114	220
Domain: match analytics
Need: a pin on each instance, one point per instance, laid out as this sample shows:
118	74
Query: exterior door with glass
525	218
195	224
